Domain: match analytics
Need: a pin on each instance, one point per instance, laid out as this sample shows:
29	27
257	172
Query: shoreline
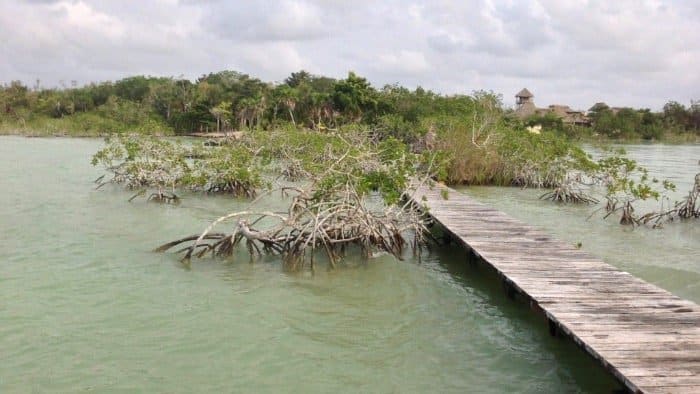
673	140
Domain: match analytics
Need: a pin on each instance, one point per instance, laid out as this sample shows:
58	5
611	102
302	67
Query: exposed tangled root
235	188
688	208
330	225
294	171
568	192
626	210
160	196
164	197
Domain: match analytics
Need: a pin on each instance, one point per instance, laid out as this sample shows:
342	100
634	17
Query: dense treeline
674	122
230	100
226	100
629	123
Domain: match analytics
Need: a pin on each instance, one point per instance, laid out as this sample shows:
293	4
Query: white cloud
86	20
627	52
287	20
402	62
270	58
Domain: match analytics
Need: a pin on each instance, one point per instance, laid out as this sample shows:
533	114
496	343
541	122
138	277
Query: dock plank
645	336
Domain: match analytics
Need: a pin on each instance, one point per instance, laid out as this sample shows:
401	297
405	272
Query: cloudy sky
627	53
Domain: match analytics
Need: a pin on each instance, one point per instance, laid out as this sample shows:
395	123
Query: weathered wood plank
651	344
620	309
647	337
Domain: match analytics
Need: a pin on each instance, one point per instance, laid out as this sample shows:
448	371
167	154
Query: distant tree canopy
629	122
229	100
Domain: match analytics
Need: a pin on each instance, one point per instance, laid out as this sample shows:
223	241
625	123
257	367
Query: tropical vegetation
229	100
344	151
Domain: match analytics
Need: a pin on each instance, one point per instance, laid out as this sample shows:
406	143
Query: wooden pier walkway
647	337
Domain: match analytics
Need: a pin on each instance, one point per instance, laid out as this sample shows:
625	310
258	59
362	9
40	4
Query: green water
85	305
668	257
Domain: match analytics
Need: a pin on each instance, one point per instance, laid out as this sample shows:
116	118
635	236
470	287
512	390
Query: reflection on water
85	305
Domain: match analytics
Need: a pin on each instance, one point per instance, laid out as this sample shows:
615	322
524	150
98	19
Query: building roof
560	110
524	93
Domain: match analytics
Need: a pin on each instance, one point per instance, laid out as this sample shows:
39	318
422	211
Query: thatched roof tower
524	95
525	103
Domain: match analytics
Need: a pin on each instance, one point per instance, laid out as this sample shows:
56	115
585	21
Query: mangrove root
164	197
330	225
567	193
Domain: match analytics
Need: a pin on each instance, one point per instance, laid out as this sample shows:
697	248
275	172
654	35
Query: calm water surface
668	257
85	305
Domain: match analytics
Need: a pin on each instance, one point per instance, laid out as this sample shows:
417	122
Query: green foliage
395	125
445	194
132	88
675	113
297	79
228	168
482	146
549	121
463	160
626	180
331	162
305	100
628	123
143	161
355	98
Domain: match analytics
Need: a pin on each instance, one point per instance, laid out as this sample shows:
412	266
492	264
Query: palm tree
287	97
220	112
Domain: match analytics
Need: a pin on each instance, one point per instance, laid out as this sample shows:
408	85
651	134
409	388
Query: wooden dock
644	335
